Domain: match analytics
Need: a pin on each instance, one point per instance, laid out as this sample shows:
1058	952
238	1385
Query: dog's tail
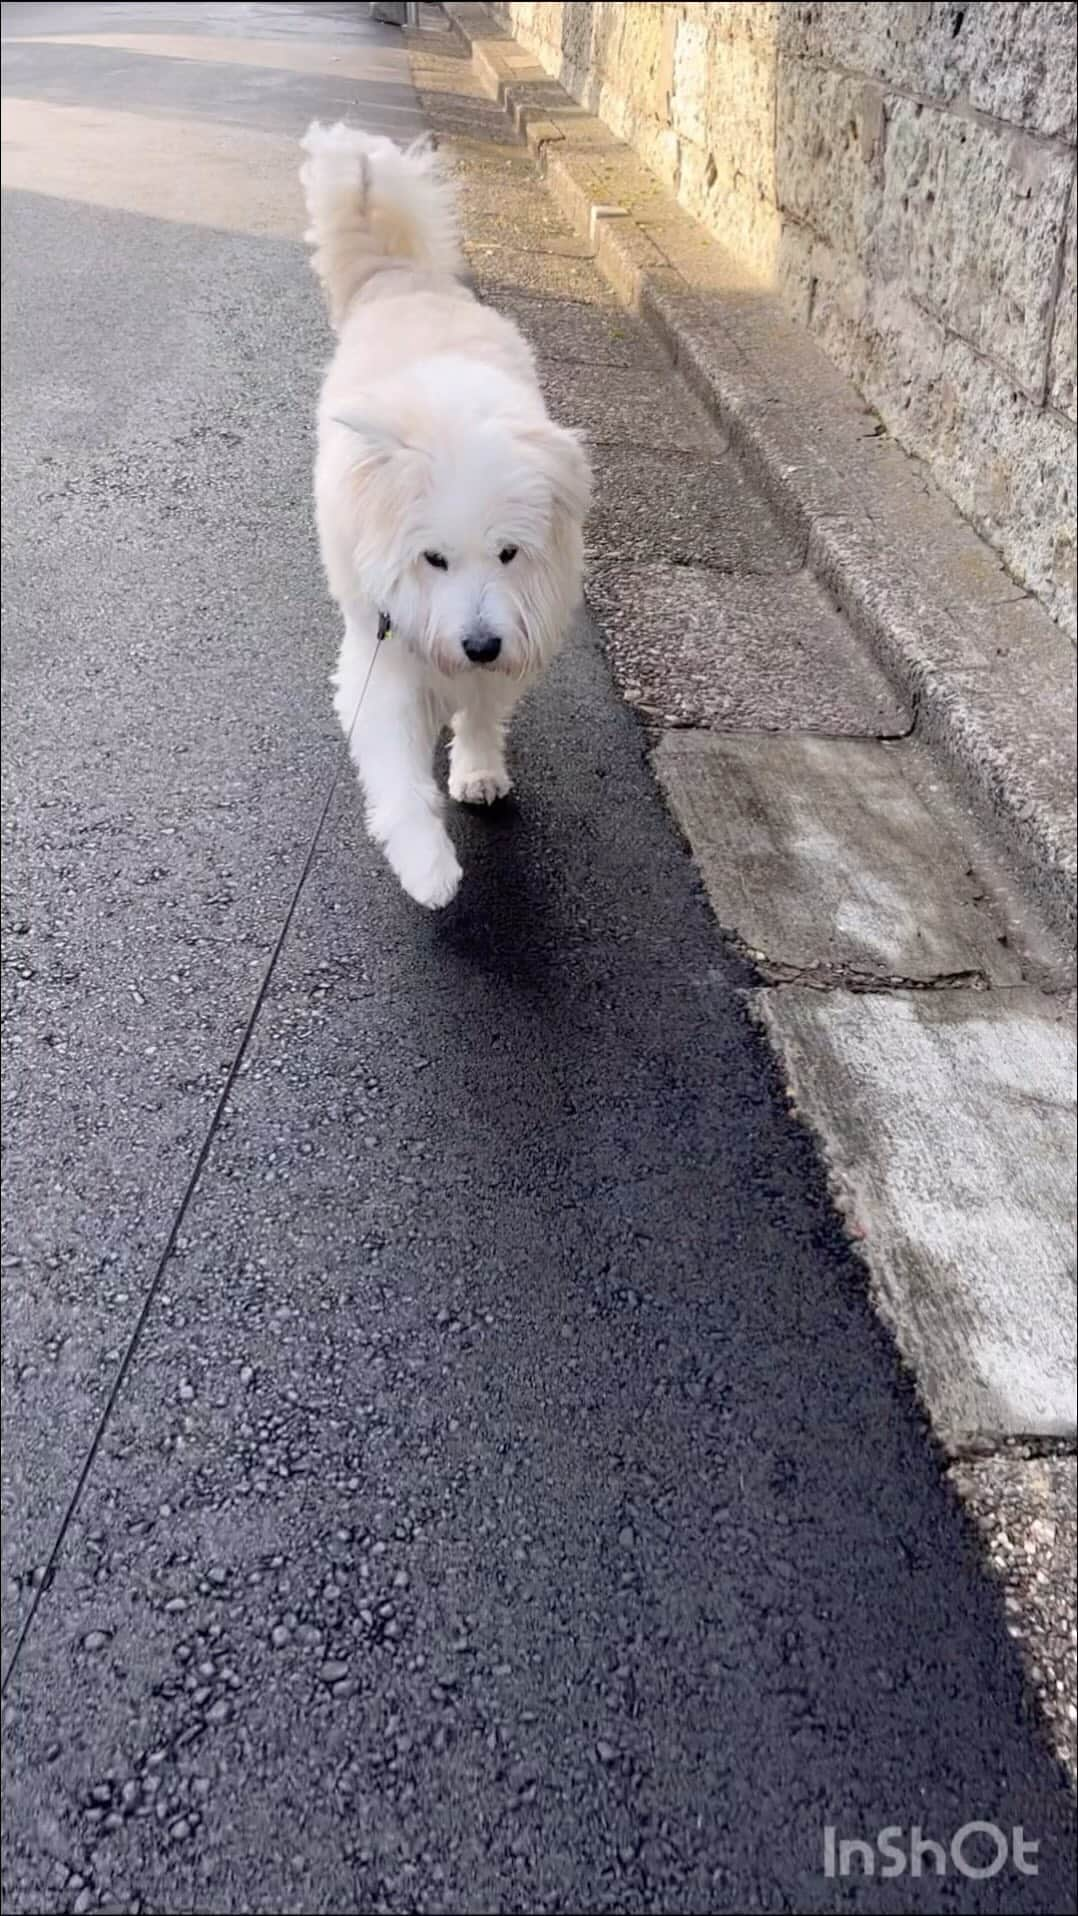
370	202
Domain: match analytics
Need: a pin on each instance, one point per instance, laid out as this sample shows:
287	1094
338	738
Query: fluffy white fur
433	445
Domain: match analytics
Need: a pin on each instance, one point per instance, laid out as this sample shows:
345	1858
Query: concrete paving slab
554	275
826	863
687	509
628	408
591	336
694	647
492	205
948	1122
475	163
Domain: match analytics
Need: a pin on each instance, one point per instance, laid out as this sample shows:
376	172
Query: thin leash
44	1578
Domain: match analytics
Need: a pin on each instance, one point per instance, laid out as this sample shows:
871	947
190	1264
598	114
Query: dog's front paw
479	788
429	872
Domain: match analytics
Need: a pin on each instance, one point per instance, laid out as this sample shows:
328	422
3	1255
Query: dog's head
467	509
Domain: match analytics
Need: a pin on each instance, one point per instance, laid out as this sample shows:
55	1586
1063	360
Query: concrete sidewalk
464	1468
916	994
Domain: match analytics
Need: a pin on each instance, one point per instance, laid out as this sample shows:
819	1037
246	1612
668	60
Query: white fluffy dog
450	508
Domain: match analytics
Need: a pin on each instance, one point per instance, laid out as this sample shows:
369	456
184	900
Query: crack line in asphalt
53	1561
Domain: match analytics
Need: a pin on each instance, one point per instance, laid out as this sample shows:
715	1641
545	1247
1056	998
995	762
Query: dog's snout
482	646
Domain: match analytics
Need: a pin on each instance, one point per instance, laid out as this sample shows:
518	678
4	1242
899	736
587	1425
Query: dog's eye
507	554
436	559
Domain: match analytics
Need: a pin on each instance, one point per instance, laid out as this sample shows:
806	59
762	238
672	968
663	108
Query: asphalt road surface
484	1485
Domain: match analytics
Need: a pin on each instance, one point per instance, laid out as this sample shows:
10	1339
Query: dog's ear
377	440
565	462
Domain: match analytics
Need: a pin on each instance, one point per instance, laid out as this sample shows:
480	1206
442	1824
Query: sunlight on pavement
294	56
232	179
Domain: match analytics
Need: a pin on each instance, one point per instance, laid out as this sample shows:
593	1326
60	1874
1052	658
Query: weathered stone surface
821	290
898	363
903	175
970	223
1010	466
689	97
726	174
1018	60
1061	369
1008	463
752	22
750	219
829	153
1013	59
632	59
621	69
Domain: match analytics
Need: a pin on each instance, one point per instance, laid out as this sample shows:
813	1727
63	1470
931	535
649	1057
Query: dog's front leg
477	770
392	744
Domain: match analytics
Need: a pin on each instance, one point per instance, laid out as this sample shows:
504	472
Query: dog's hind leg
392	746
477	770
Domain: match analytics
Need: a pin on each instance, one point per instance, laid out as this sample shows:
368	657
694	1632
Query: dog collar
383	626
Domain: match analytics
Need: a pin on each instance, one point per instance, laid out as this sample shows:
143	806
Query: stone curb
991	678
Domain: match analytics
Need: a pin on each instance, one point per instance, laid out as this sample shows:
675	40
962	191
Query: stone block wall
905	175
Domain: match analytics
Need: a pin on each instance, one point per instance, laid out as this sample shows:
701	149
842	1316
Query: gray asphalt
511	1501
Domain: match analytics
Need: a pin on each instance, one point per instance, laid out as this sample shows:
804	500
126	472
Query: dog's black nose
482	647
